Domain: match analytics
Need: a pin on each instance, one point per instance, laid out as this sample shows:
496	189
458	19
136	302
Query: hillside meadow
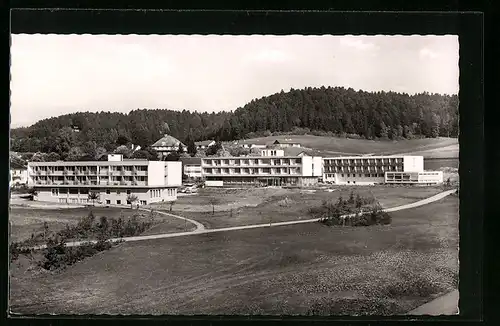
441	147
293	270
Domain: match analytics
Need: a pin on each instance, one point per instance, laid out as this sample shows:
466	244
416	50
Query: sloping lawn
300	269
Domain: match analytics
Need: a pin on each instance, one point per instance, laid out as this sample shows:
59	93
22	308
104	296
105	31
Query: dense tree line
333	111
90	136
385	115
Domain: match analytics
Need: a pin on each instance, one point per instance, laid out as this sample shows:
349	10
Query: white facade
369	170
19	177
263	170
115	157
422	177
193	170
272	152
114	181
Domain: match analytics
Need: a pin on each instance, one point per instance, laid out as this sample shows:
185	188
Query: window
128	191
118	202
55	192
108	201
142	202
118	192
342	175
108	192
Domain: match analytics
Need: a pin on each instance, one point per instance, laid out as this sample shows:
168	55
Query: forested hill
345	111
336	110
109	129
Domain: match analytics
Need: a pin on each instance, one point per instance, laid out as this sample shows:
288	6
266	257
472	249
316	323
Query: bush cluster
57	254
355	211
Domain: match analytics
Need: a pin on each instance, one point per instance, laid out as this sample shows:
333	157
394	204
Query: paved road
200	229
199	226
445	305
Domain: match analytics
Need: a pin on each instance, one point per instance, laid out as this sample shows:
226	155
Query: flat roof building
191	166
367	170
113	180
272	168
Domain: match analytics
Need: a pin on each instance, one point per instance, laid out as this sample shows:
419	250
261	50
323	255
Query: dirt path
200	229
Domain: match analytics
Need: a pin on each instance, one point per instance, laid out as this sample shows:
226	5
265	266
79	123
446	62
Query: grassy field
255	206
298	269
428	147
25	220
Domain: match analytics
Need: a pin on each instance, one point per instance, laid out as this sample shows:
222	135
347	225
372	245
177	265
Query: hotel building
271	168
368	170
114	180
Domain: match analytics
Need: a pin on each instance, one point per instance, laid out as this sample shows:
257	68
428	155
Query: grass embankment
300	269
264	205
26	220
428	147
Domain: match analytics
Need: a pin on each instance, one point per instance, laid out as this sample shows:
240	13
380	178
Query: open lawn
25	220
262	205
300	269
428	147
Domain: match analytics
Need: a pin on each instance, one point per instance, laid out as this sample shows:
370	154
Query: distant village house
284	143
18	175
204	144
167	144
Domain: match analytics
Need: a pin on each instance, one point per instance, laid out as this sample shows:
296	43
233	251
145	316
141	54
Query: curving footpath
444	305
200	228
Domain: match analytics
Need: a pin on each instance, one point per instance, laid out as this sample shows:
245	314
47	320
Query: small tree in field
171	204
131	199
213	201
93	196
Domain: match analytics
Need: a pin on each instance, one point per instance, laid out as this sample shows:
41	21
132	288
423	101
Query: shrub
367	212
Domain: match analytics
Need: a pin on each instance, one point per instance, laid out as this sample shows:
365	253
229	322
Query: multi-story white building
19	175
378	169
113	180
191	166
272	168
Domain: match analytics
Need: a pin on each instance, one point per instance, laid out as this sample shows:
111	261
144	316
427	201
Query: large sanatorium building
114	180
273	168
379	169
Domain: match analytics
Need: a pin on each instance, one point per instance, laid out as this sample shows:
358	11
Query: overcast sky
58	74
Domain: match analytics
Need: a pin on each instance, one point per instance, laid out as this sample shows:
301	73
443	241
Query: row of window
92	169
155	193
362	175
85	201
252	161
363	161
365	168
251	170
84	191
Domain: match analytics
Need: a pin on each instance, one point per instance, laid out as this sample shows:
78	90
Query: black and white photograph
261	175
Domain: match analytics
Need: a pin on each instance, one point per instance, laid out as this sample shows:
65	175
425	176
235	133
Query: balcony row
91	183
102	172
252	164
